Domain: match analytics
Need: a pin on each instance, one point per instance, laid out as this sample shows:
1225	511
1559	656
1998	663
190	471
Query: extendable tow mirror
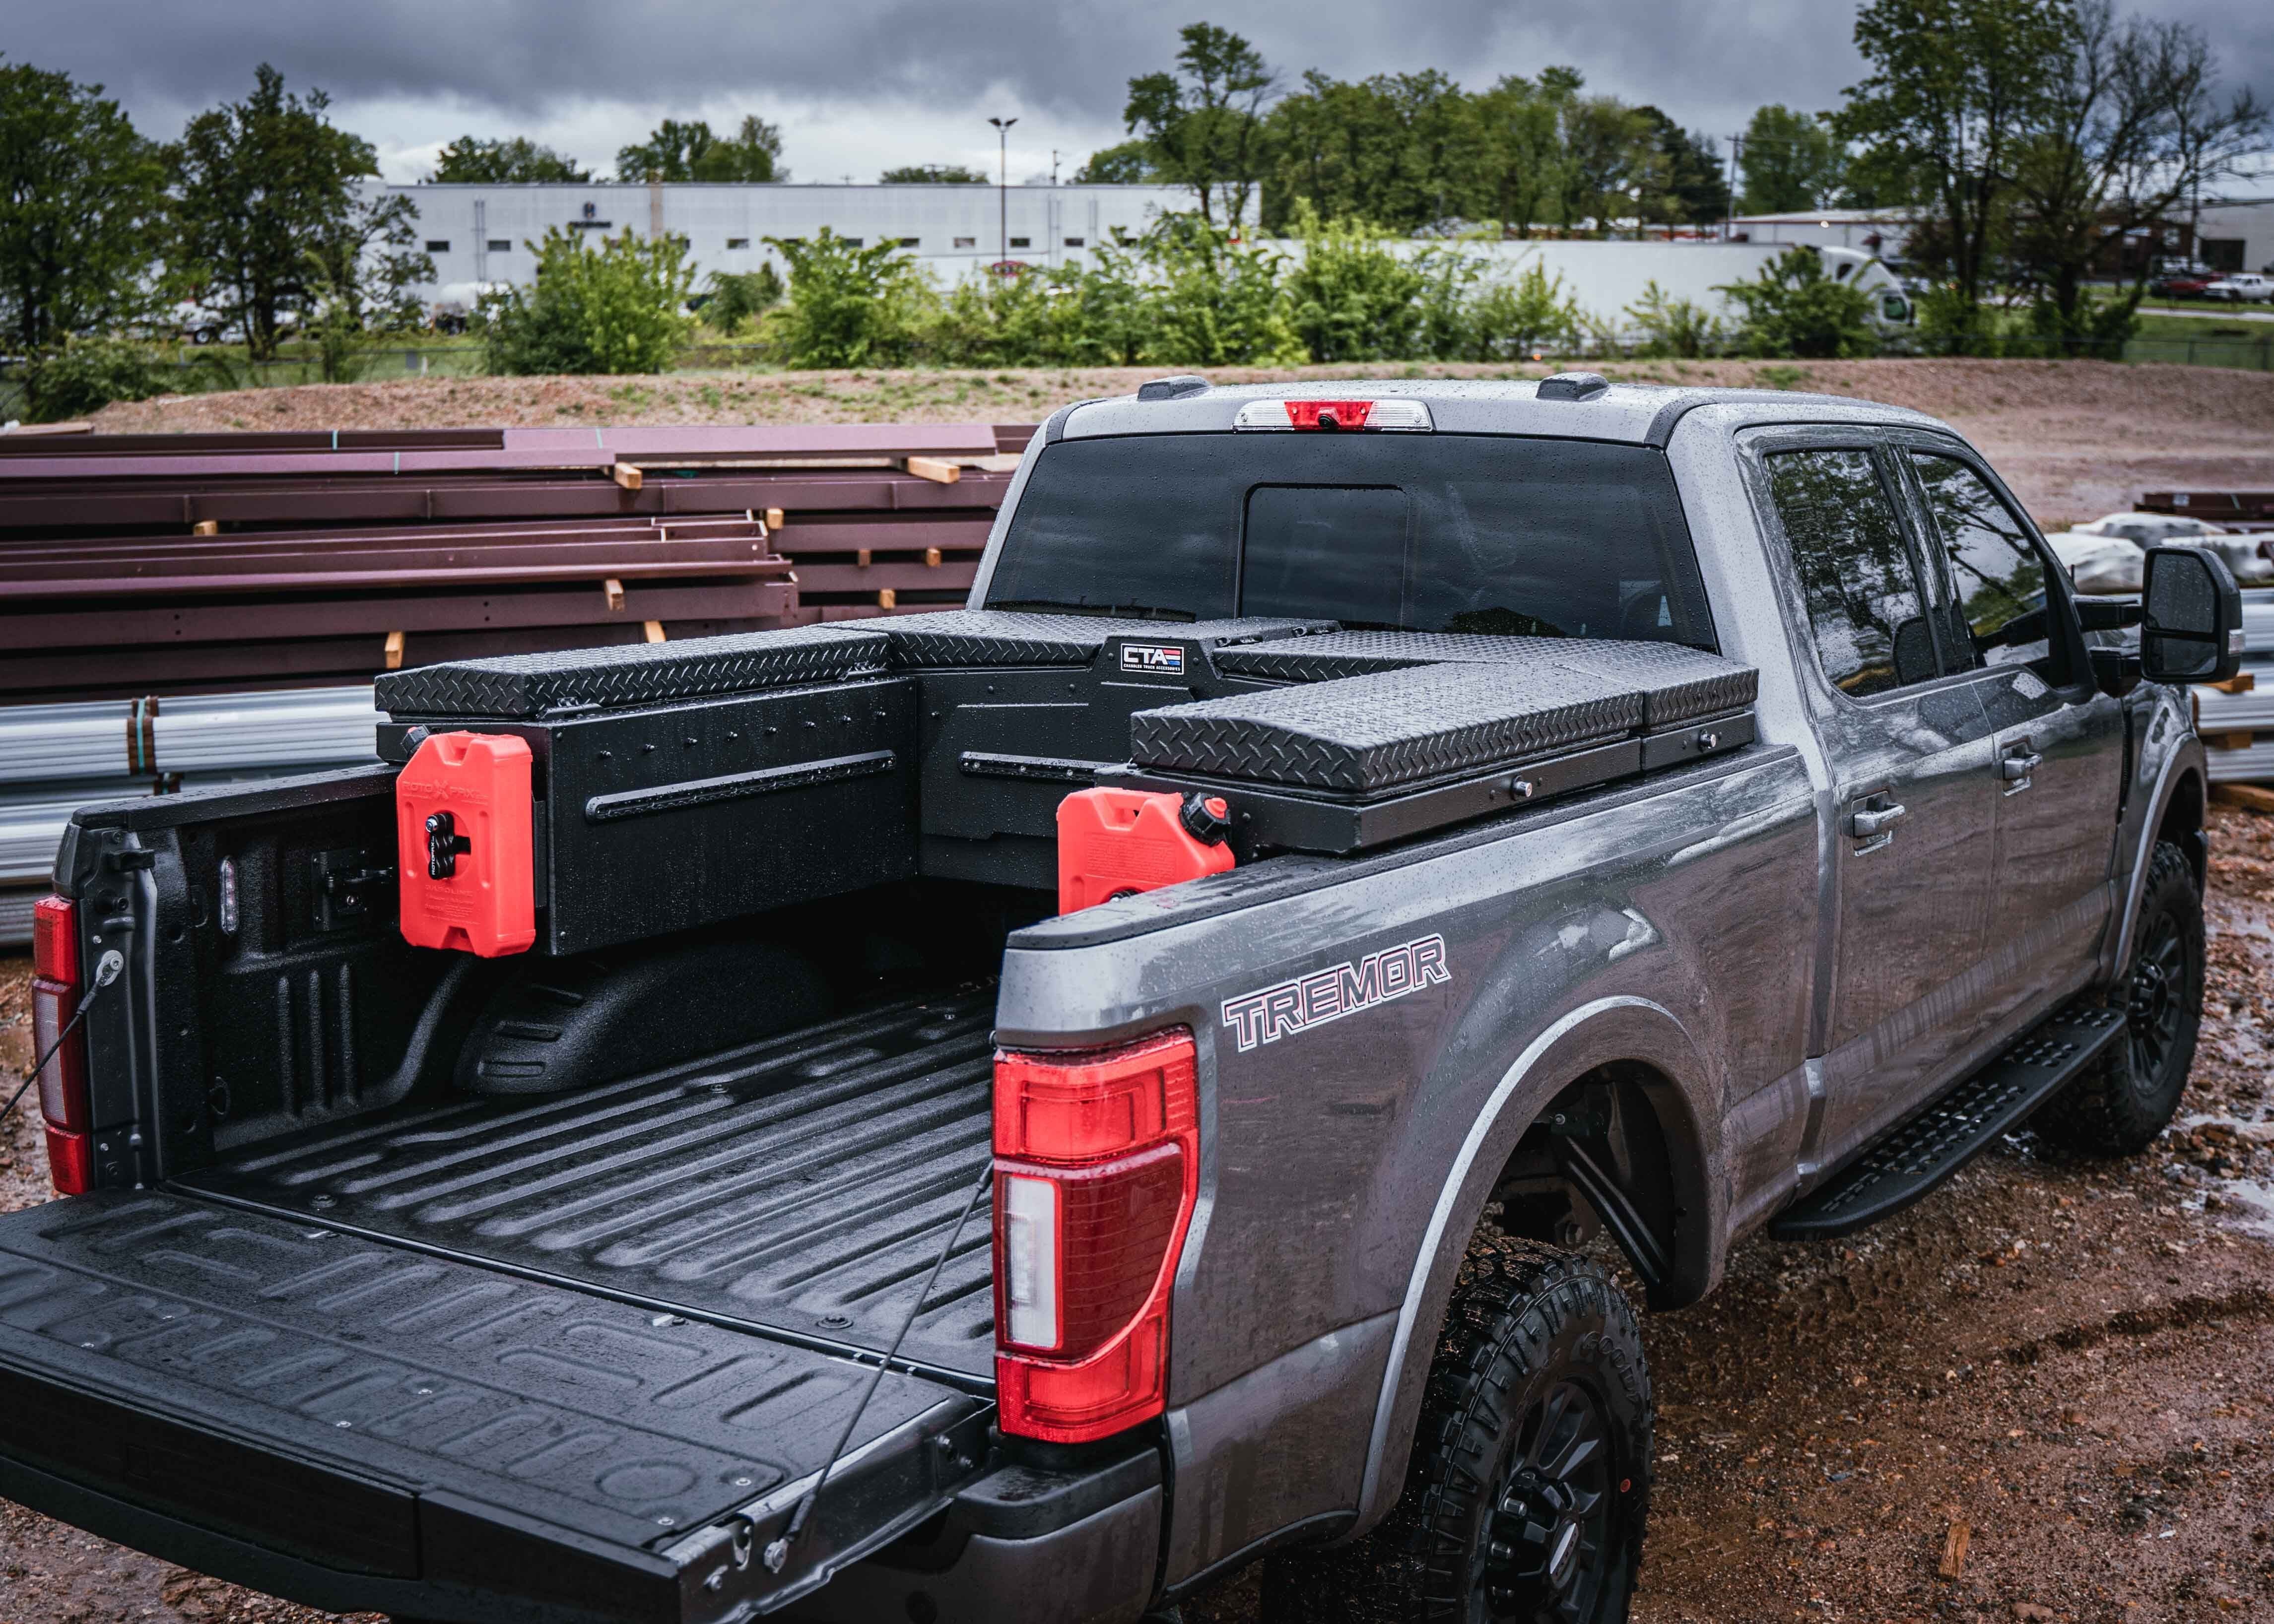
2191	620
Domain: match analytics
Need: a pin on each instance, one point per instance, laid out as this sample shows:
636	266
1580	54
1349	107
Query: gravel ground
2064	434
2073	1361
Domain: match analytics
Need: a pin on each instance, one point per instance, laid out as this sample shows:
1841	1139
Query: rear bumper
1021	1545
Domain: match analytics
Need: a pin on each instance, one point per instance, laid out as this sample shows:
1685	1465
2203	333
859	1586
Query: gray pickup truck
1016	1113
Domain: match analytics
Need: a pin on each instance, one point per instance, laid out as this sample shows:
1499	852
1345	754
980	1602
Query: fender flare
2185	757
1596	1033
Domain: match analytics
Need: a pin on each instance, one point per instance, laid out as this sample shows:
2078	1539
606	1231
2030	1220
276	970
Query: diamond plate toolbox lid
527	687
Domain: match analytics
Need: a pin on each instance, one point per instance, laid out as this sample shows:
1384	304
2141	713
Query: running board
1900	1167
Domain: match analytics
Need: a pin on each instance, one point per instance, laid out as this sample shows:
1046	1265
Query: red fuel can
463	824
1116	842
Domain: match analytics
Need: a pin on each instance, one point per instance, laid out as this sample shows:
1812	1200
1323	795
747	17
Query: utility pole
1002	188
1054	166
1729	211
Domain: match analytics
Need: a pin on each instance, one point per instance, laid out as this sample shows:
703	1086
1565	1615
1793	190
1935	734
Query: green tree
1791	162
1202	124
1692	189
1792	308
1955	90
1398	150
1216	302
82	203
1524	316
615	308
931	175
266	194
848	305
86	372
1520	133
692	151
737	296
1130	163
515	160
1611	162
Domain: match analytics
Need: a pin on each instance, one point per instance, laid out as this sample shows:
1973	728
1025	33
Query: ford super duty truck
1014	1112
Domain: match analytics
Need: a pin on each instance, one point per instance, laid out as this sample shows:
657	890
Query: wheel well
1612	1151
2182	826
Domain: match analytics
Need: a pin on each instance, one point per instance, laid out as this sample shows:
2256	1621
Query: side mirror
2191	619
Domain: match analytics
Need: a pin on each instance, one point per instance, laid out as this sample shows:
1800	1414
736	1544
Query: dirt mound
2075	438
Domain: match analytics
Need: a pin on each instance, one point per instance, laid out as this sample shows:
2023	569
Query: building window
501	244
852	242
910	242
1073	242
438	247
1023	241
738	242
967	242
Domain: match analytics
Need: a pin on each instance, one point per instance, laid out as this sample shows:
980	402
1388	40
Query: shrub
1349	298
737	296
1523	317
1673	327
1792	308
86	374
1215	302
613	309
849	306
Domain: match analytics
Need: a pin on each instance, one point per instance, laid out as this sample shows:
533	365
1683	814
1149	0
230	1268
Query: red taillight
1096	1168
62	1081
1329	414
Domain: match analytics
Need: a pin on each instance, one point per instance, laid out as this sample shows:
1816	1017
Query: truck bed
801	1186
583	1351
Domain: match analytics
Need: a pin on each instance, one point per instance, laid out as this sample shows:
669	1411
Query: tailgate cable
777	1552
105	973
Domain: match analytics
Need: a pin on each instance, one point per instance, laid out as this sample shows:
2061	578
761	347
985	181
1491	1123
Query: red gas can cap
463	820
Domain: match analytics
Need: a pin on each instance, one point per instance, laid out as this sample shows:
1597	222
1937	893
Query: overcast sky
859	85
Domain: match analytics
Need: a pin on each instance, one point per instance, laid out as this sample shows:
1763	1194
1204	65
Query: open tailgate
358	1425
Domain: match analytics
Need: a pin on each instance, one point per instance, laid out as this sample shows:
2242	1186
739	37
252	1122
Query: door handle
2014	768
1874	820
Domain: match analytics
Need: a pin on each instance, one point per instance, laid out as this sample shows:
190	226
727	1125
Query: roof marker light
1396	416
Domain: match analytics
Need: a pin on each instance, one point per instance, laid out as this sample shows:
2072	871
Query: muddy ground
2074	439
2071	1361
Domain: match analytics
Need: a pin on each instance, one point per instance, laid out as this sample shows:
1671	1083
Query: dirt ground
2072	1361
2074	439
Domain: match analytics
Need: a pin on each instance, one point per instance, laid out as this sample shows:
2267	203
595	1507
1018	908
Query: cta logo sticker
1152	658
1314	1000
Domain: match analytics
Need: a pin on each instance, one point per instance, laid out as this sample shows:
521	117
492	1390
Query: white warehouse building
479	233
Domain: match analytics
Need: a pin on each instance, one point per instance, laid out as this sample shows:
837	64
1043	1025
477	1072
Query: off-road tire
2119	1107
1529	1327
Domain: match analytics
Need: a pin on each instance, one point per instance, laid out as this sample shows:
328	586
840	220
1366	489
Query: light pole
1003	189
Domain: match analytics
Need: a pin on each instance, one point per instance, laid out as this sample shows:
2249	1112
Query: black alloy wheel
1545	1557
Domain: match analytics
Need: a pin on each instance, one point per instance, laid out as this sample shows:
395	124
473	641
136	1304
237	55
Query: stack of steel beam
178	609
2237	718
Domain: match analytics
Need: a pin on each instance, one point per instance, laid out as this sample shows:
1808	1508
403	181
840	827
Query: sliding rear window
1420	532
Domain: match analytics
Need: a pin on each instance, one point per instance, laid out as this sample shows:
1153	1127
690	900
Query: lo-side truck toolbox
1015	1113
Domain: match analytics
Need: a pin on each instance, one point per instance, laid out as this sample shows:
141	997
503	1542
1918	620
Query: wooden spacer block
2249	797
2240	683
2239	740
931	557
625	475
394	651
612	589
860	557
654	630
937	469
775	519
206	527
887	598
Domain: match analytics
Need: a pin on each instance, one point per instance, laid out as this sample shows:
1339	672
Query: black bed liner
801	1186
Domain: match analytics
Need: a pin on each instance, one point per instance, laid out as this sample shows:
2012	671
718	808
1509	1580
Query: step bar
1902	1165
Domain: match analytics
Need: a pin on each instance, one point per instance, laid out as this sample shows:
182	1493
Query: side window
1998	576
1856	570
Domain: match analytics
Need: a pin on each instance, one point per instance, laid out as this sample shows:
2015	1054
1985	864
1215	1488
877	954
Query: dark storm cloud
1707	62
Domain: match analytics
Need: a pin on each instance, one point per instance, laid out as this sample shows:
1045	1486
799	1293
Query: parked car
2181	285
1016	1114
2243	287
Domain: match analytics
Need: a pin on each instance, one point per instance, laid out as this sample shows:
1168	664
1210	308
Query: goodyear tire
2119	1107
1529	1484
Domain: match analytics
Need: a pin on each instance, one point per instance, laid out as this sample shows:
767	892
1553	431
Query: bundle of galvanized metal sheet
178	609
2236	717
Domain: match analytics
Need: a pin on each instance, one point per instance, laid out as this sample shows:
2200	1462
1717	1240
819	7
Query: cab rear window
1439	533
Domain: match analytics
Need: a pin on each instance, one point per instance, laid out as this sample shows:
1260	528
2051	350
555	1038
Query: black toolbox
678	785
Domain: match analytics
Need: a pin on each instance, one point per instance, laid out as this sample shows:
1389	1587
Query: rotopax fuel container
1116	842
462	818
